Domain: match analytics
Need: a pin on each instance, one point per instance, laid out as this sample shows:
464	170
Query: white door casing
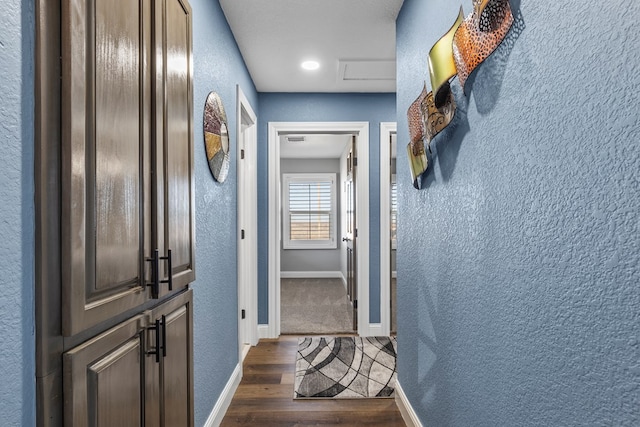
361	129
386	130
247	200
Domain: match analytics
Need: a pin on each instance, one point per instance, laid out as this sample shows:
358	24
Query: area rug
345	367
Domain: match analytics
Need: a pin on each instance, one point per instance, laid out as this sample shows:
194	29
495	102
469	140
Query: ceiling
353	40
313	146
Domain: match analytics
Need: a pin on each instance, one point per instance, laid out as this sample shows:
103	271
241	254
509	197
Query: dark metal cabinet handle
155	277
169	278
161	345
164	336
155	272
157	347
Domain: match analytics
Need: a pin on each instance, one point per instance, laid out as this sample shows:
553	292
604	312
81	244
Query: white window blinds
309	211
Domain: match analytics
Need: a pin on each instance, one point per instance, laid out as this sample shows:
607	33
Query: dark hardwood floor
265	395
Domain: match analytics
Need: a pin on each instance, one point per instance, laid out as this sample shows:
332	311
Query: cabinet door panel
105	158
103	381
117	146
175	369
170	381
115	389
176	202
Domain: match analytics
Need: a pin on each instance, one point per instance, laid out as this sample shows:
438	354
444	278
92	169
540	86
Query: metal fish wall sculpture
466	45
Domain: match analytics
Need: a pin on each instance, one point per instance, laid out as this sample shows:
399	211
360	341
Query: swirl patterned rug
345	367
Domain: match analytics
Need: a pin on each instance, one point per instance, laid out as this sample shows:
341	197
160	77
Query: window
309	220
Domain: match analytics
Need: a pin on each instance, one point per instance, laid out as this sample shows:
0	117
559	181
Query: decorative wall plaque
216	137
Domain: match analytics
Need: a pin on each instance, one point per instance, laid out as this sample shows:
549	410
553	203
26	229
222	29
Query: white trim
247	218
221	406
362	216
386	129
375	330
408	413
244	351
311	275
263	332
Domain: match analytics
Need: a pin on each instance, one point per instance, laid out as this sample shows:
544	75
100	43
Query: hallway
265	395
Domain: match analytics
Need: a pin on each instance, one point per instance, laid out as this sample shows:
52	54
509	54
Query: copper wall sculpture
436	119
415	149
480	34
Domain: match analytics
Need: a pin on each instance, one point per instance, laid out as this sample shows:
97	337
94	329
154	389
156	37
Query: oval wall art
216	137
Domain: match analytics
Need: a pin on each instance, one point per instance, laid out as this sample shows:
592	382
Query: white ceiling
353	40
314	146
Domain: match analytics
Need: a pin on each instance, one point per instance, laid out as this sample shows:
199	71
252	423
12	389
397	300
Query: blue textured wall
322	107
218	67
518	265
17	352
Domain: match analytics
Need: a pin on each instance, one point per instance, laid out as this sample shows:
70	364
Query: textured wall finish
17	352
218	66
518	263
322	107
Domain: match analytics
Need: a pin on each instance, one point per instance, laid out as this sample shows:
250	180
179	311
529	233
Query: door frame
386	130
247	218
361	129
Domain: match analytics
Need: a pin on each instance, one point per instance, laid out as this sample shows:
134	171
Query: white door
247	226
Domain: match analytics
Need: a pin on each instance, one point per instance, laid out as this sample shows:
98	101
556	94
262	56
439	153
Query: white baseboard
311	275
263	332
220	409
244	352
408	414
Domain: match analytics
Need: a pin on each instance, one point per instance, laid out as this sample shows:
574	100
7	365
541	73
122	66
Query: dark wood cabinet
126	173
103	381
169	399
106	152
137	373
173	189
114	321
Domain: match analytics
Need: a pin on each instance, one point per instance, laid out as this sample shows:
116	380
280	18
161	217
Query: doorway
276	130
247	224
314	295
387	243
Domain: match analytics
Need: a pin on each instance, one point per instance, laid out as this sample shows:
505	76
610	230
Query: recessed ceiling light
310	65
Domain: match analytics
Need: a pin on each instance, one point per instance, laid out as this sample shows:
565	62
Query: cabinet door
174	155
169	400
103	381
106	104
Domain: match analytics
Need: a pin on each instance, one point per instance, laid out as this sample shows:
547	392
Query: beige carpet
314	306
